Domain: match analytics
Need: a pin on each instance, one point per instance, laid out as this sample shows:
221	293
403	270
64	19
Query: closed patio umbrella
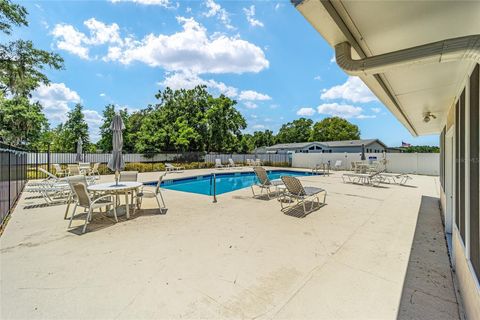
363	153
116	162
79	157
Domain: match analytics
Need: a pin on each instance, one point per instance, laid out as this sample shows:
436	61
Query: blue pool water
225	182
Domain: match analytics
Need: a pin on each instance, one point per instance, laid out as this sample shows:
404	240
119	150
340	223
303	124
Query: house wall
462	207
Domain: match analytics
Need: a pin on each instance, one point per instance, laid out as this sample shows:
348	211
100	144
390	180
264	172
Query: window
474	171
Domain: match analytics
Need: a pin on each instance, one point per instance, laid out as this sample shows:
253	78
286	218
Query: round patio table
121	187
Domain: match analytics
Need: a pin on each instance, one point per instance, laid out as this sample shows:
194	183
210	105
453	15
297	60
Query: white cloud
333	59
253	95
55	99
365	116
306	112
193	50
250	15
216	10
278	6
250	105
258	126
71	40
101	33
353	90
186	80
94	121
162	3
102	94
376	110
317	78
340	110
76	42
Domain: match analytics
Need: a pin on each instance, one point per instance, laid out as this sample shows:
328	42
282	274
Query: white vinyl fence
266	158
415	163
64	158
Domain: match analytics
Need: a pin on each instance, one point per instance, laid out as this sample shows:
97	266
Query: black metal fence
13	177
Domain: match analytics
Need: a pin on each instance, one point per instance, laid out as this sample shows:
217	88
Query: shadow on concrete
428	289
297	211
101	221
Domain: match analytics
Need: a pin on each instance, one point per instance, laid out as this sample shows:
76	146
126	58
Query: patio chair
373	179
218	164
396	178
59	172
169	167
258	162
94	171
232	163
152	193
73	169
84	167
296	191
89	203
338	164
72	196
126	176
49	188
129	176
264	182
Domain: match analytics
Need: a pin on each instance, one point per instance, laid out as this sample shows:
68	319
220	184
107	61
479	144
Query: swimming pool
225	182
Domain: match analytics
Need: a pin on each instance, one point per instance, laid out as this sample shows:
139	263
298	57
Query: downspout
456	49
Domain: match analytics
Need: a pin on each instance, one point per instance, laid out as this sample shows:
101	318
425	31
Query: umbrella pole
116	177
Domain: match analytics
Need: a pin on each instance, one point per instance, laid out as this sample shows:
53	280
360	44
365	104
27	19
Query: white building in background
349	146
421	59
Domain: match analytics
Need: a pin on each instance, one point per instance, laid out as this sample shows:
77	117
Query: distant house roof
352	143
331	144
297	145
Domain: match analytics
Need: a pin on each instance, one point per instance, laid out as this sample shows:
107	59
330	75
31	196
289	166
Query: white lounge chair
264	183
85	201
148	192
73	169
169	167
338	164
59	172
396	178
218	164
232	163
373	179
296	191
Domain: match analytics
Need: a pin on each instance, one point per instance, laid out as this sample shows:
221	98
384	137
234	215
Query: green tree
105	141
21	122
65	136
188	120
21	64
296	131
422	149
224	125
132	130
263	138
334	129
246	143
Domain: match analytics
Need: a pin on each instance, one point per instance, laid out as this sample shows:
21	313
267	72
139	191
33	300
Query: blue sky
263	54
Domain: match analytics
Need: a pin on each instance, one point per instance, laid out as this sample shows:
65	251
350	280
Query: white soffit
386	26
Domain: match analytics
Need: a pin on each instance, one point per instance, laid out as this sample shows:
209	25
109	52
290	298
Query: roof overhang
379	27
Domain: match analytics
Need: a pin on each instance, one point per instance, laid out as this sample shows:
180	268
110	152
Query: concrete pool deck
237	258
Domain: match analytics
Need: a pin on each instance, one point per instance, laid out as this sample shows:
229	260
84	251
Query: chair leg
87	219
68	206
158	203
71	218
161	196
115	213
